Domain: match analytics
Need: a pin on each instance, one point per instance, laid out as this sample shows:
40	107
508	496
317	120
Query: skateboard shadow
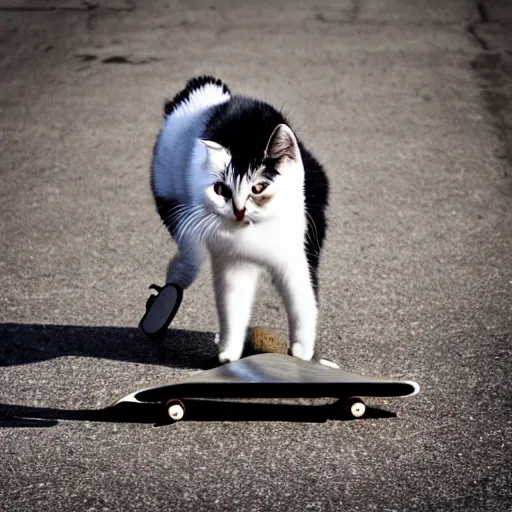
32	343
15	416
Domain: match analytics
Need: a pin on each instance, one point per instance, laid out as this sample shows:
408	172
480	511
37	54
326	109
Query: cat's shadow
32	343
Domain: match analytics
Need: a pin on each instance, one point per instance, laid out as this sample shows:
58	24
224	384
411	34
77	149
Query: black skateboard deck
271	376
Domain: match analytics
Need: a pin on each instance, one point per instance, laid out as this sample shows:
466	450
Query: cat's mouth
242	222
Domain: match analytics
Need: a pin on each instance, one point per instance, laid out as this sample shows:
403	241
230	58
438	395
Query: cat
230	177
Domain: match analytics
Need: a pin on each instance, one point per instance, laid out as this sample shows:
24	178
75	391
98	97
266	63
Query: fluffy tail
199	93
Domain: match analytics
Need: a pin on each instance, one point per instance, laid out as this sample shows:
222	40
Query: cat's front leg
235	284
294	284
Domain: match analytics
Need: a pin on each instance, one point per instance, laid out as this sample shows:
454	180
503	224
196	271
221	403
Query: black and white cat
230	178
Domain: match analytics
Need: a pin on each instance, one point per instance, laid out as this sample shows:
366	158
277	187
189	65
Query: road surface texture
409	107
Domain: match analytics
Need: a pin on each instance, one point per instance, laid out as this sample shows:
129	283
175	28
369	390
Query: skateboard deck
271	376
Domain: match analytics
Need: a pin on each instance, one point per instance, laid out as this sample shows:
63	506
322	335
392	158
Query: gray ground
408	105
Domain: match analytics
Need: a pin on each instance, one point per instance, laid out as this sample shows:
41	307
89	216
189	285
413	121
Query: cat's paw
229	355
301	352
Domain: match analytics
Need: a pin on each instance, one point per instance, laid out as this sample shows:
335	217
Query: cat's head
267	189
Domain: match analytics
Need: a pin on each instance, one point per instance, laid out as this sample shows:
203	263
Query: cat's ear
210	144
283	144
217	156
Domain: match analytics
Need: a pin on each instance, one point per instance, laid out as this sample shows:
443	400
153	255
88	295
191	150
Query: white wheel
175	410
356	407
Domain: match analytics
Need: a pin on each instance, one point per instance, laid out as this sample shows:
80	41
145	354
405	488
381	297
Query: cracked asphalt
408	106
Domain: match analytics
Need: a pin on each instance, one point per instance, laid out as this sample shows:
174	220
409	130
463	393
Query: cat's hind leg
235	284
181	273
184	267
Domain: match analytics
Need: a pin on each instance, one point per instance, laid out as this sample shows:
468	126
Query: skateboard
271	375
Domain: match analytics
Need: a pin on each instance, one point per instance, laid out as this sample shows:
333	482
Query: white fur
271	235
179	147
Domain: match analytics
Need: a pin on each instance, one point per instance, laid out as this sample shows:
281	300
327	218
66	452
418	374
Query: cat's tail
200	93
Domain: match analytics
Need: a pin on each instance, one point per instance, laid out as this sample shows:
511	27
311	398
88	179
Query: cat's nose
239	214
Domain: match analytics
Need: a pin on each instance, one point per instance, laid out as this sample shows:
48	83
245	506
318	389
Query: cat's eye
259	188
221	189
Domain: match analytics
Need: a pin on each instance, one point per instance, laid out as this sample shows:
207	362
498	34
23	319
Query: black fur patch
165	208
243	126
317	197
192	85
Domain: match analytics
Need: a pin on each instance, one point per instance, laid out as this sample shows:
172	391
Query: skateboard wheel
356	407
175	409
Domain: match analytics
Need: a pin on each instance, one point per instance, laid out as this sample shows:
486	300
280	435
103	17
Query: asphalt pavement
408	106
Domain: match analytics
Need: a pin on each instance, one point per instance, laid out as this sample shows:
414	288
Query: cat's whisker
173	217
180	219
195	225
202	233
196	231
183	207
309	246
180	211
314	243
311	223
215	225
311	254
188	227
205	223
182	227
175	209
177	213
